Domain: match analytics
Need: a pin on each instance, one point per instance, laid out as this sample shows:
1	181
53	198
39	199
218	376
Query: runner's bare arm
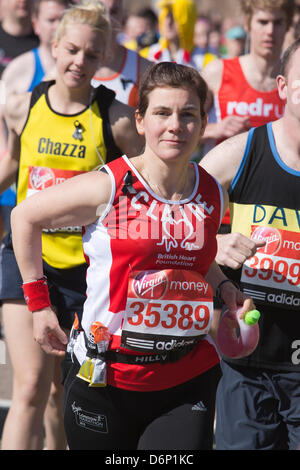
227	127
231	125
15	116
212	74
122	119
16	111
223	162
18	75
77	201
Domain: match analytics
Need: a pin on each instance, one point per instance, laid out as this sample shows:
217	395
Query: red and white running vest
237	97
148	258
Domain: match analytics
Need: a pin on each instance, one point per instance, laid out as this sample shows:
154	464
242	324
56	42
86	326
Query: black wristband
218	289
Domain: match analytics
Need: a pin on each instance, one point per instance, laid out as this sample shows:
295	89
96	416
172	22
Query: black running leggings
110	418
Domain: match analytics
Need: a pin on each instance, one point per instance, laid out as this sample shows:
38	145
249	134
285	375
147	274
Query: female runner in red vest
145	368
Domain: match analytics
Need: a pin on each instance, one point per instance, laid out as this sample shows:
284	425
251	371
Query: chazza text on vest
63	149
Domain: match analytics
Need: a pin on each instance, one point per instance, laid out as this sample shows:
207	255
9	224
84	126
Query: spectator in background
215	39
202	52
235	41
134	26
140	29
176	27
202	29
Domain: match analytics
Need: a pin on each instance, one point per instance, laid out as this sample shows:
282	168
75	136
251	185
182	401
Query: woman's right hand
48	333
235	248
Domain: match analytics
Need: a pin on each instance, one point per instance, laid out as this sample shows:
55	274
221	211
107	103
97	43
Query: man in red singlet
244	88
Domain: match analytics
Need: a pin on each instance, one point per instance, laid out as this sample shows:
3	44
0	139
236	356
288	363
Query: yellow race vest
55	147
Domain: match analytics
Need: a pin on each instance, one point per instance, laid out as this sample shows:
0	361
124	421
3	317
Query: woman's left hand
234	299
48	333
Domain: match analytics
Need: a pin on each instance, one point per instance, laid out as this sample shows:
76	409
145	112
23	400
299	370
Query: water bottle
241	342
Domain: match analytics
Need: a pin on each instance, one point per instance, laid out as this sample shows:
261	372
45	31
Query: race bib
166	310
43	177
272	275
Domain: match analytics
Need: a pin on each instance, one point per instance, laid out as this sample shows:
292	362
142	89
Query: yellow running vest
55	147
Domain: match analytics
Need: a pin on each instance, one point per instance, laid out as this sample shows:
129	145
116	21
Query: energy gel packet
93	369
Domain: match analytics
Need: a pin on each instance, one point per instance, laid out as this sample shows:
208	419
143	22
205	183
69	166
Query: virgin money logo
41	178
272	238
150	284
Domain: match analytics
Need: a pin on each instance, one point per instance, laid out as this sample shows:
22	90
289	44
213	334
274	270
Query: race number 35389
167	315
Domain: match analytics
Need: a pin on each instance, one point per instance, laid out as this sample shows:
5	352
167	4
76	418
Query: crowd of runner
138	151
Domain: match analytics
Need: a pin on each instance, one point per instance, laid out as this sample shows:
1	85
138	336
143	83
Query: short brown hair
170	74
287	6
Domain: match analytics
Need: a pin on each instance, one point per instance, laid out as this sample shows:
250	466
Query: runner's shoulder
16	109
212	74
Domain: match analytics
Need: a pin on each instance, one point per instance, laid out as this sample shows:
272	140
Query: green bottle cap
252	317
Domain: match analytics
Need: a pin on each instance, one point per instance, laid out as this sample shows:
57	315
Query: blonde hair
88	12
